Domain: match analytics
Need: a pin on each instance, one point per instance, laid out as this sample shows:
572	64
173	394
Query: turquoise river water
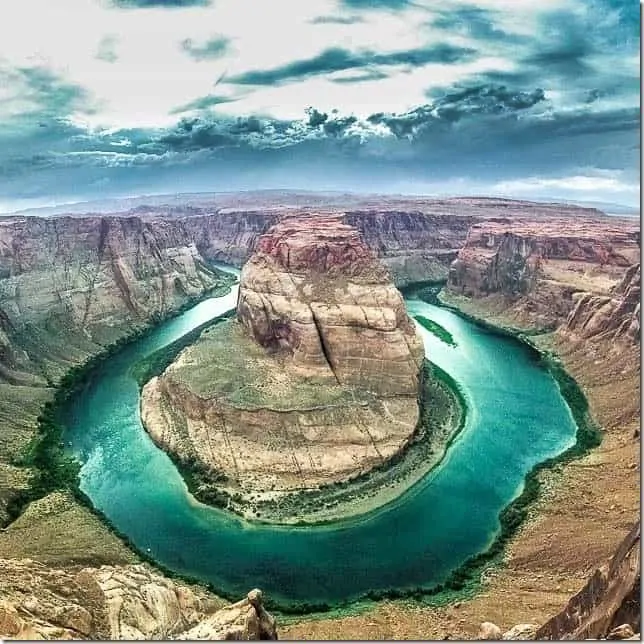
516	418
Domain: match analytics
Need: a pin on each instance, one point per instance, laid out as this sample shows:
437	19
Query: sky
522	98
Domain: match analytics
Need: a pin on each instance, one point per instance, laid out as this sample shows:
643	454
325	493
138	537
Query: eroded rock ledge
536	271
315	381
127	602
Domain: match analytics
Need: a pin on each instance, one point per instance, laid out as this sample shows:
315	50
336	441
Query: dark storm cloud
475	22
160	4
452	106
316	117
209	50
484	143
485	99
573	51
337	60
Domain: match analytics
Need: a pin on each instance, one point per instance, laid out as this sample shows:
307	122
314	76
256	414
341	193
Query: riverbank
442	417
442	414
581	512
83	534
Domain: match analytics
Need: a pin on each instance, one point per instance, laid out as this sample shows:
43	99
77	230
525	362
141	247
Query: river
516	418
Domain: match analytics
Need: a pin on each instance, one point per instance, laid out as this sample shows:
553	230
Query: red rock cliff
314	290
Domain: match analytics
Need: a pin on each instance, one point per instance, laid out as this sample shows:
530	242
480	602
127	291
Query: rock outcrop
68	285
128	602
535	269
612	318
314	291
607	607
316	381
610	599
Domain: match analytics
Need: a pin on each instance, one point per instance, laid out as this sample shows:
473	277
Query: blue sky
106	98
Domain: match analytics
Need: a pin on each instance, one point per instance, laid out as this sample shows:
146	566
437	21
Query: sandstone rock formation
534	269
127	602
316	381
611	318
610	599
313	290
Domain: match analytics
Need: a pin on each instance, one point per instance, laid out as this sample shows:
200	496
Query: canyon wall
534	271
68	285
68	288
613	318
413	245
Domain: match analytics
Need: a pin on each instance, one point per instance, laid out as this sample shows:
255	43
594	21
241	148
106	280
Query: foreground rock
128	602
608	603
315	381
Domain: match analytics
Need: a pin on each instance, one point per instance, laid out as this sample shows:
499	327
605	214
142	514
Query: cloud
336	20
337	59
395	5
485	99
369	75
40	95
590	183
107	49
316	117
209	50
475	22
160	4
202	103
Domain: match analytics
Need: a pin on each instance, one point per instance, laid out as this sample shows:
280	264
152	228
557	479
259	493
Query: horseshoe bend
398	429
314	382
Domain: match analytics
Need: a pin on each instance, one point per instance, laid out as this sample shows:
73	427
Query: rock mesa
315	381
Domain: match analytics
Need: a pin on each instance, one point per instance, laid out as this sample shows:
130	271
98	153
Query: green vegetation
442	416
433	327
53	469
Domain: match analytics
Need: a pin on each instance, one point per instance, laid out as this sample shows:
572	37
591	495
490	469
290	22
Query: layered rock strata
68	288
112	603
315	381
614	317
536	270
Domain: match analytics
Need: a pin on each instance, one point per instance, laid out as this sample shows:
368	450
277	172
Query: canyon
314	382
70	286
